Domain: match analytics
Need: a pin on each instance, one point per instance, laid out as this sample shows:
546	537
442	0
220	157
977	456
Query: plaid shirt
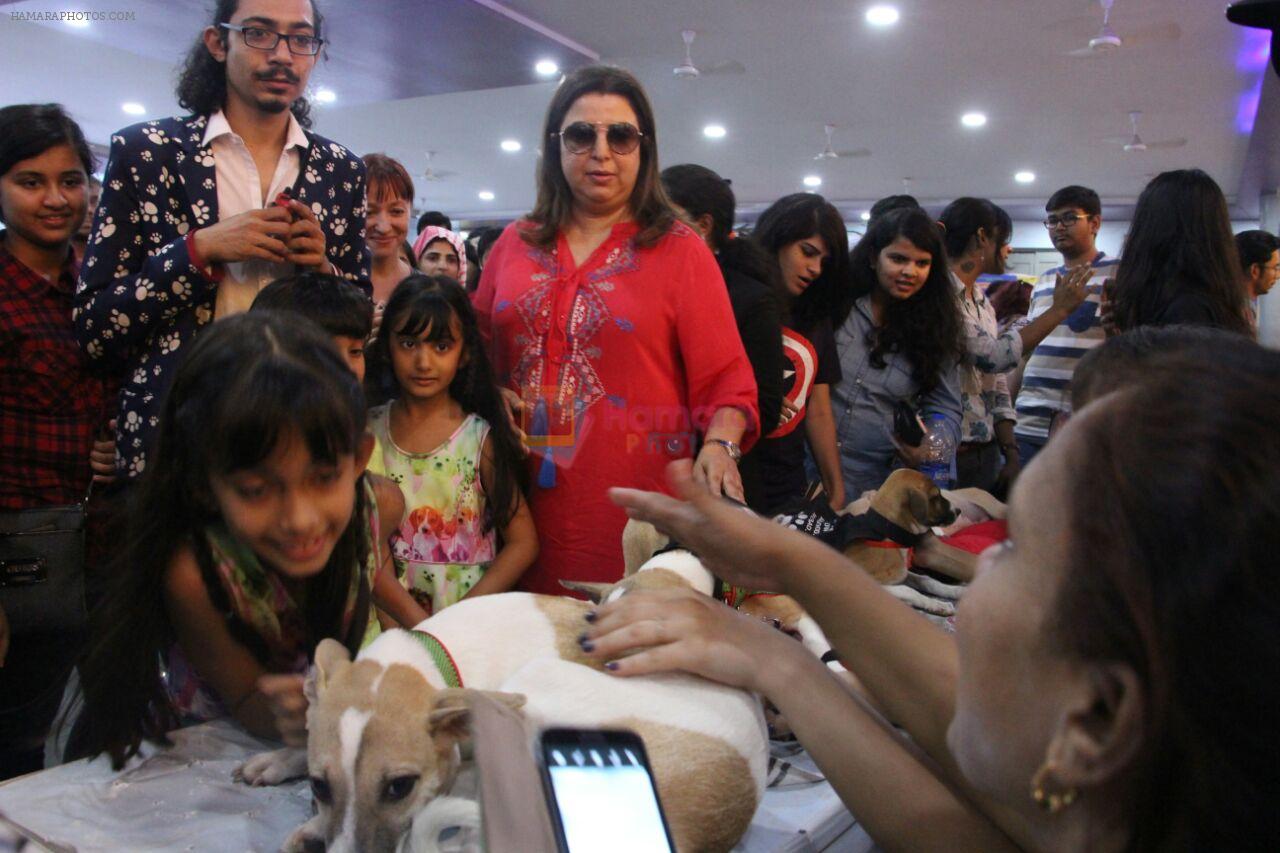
50	406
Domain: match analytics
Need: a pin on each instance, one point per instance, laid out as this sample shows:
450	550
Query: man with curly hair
198	213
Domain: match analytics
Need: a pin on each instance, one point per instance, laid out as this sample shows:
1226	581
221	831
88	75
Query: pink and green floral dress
442	549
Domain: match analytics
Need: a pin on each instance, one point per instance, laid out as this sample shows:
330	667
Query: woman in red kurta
610	320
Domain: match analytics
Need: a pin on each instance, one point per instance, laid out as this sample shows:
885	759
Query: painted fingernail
586	644
590	616
612	666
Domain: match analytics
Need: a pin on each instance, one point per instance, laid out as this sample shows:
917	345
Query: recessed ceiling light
546	67
326	96
1025	177
812	181
973	119
81	23
714	131
865	216
133	108
882	16
511	145
485	195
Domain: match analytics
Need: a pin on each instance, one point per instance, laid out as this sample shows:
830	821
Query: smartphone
601	793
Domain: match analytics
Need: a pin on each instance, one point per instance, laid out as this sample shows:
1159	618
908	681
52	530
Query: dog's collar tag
440	657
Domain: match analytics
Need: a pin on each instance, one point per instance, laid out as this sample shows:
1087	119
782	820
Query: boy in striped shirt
1074	217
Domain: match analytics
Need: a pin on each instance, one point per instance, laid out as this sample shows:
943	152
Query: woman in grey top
899	339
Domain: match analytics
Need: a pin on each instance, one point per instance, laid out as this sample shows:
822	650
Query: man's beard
274	105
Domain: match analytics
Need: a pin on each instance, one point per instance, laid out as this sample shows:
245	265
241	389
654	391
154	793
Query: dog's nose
313	845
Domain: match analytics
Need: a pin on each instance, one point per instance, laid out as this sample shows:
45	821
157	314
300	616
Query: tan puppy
909	500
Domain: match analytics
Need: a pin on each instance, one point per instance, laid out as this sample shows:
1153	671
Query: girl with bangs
446	440
255	534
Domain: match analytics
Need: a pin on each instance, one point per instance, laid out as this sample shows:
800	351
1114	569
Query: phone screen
602	792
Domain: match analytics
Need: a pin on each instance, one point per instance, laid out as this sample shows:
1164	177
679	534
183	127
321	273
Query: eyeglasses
580	137
263	39
1066	220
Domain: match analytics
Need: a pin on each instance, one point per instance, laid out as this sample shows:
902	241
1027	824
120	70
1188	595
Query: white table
184	799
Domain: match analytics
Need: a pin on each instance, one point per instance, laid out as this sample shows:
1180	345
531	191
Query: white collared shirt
239	191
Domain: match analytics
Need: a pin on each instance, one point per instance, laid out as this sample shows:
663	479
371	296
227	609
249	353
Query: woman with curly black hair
899	339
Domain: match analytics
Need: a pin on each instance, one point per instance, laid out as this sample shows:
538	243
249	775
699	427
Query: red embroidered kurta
620	363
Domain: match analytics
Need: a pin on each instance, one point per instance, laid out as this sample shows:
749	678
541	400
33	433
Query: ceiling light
1025	177
882	16
714	131
865	216
511	146
326	96
546	68
485	195
973	119
812	181
80	23
133	108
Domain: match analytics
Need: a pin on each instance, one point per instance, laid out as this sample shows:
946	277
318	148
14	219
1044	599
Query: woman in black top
1180	264
805	236
708	204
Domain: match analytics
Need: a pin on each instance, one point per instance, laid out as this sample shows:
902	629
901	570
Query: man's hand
259	235
306	239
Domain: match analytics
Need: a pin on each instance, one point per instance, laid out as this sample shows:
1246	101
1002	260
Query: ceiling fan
1136	145
829	152
1107	40
430	174
688	71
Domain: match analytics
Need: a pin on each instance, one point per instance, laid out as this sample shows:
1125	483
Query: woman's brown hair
385	175
1175	510
554	206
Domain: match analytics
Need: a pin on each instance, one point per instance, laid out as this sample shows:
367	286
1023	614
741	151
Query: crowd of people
303	416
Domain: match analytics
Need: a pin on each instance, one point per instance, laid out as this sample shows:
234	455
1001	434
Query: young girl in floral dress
446	440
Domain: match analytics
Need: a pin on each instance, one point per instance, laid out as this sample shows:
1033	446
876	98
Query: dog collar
440	657
886	529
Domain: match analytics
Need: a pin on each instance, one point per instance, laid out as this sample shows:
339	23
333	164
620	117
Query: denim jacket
863	403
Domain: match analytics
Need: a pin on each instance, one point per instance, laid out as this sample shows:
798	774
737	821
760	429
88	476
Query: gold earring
1051	801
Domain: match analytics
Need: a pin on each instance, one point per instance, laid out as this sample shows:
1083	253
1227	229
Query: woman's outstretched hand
734	544
679	629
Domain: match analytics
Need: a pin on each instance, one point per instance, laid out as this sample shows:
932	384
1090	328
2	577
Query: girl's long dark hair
202	80
925	328
796	217
432	304
1180	243
249	383
554	204
1171	572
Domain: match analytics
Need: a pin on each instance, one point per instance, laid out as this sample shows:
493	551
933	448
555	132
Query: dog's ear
331	658
450	717
640	540
918	503
593	591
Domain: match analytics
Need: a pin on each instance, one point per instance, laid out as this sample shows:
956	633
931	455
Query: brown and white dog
383	730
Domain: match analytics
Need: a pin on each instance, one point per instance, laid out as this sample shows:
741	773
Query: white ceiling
898	92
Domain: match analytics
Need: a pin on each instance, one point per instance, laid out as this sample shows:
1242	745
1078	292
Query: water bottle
939	449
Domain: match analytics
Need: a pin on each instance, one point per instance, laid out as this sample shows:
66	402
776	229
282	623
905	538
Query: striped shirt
1048	374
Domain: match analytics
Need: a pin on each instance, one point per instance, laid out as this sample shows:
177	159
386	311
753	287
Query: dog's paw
273	768
920	602
308	838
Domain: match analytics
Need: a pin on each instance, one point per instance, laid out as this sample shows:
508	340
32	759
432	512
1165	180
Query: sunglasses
580	137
